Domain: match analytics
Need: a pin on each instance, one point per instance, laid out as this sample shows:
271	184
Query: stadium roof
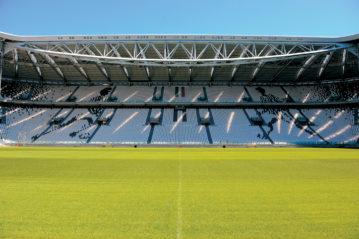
179	59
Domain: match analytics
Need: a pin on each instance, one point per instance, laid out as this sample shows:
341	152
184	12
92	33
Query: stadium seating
179	126
317	93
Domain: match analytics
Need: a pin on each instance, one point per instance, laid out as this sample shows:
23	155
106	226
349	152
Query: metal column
2	49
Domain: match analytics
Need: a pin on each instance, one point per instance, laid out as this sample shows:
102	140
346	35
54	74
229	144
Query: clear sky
230	17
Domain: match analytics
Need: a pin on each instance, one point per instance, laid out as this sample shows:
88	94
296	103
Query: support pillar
2	49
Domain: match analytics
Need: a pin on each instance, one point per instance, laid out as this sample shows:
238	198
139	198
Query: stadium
179	136
180	89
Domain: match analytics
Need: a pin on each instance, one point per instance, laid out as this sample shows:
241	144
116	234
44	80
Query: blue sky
230	17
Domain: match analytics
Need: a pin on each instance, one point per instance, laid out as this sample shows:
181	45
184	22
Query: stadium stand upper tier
179	89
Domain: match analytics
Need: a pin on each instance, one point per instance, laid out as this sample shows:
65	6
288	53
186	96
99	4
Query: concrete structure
159	89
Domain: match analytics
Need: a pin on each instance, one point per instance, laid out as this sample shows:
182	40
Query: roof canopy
179	58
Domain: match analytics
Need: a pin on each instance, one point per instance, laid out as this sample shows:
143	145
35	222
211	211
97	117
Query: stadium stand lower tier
180	125
227	126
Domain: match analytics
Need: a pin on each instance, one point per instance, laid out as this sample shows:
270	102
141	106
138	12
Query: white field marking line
179	200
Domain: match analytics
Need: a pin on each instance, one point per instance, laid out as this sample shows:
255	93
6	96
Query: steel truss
176	54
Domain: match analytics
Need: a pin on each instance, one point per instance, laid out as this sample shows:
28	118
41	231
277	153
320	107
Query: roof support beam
51	62
127	51
344	60
170	77
188	52
276	75
77	66
194	50
55	67
325	64
211	74
190	74
202	52
2	49
261	64
354	50
312	58
169	53
16	65
148	73
35	64
80	69
123	68
142	53
99	65
254	53
246	50
188	55
234	72
218	52
232	51
157	51
125	71
305	66
243	53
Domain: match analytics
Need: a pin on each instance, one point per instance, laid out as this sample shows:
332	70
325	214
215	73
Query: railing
8	102
293	143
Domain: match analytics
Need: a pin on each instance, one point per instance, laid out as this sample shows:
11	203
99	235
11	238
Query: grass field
179	193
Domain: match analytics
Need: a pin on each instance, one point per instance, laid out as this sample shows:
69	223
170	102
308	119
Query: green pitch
179	193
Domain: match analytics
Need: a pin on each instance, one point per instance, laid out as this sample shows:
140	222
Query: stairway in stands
99	117
158	97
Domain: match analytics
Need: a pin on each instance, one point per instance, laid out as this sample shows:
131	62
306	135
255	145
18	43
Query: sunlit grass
134	193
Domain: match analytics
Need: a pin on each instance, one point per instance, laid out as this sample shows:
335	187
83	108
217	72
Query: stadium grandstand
179	89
